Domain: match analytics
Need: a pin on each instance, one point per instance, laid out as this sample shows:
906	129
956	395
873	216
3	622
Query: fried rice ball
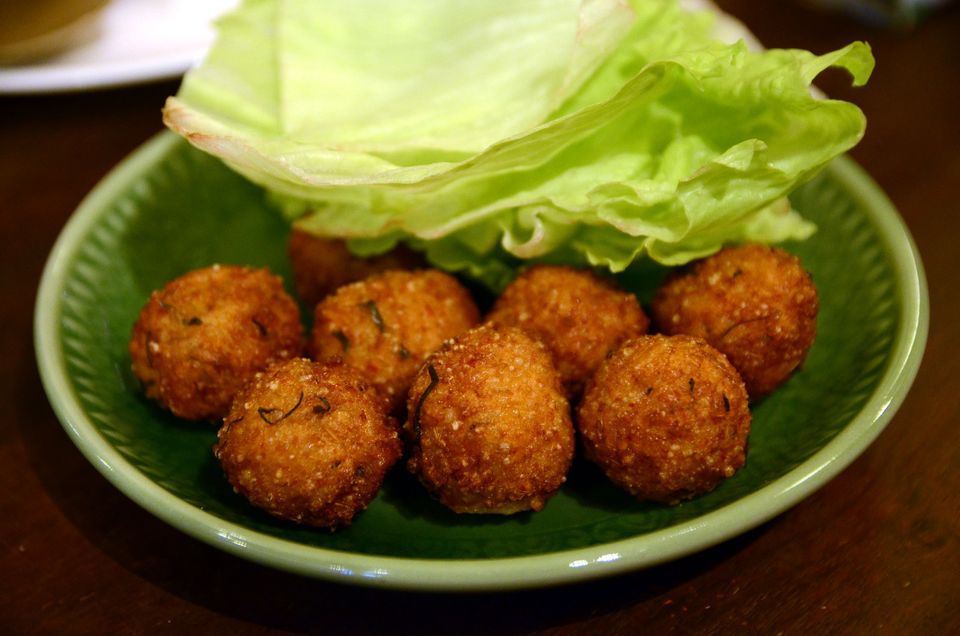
205	334
488	424
666	418
754	303
579	315
308	442
387	325
321	264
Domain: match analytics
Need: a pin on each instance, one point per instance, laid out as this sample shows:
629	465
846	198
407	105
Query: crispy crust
666	418
756	304
386	325
577	314
308	442
321	265
488	424
204	335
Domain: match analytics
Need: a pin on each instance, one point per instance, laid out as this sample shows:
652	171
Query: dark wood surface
877	550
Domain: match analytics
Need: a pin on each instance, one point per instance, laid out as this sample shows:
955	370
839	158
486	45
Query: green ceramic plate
169	208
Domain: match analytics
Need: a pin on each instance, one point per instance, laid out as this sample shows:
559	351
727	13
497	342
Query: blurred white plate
136	41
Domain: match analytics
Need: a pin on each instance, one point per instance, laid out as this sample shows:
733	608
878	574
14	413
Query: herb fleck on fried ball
387	325
489	425
321	265
666	418
578	315
201	337
756	304
308	442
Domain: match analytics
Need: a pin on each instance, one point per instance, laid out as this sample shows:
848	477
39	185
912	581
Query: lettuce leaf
490	134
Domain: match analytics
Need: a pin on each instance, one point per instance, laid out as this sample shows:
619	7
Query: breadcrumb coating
308	442
386	325
321	265
488	424
666	418
577	314
756	304
205	334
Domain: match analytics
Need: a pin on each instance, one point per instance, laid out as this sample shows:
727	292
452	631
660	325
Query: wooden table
875	551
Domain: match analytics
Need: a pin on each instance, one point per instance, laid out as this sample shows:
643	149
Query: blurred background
64	45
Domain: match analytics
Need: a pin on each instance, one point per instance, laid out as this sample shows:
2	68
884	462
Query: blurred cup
35	29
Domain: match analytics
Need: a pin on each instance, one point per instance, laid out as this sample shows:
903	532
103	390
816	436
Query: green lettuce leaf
490	134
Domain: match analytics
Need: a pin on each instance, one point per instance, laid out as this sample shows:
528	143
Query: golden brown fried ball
204	335
579	316
489	425
387	325
308	442
756	304
321	264
666	418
